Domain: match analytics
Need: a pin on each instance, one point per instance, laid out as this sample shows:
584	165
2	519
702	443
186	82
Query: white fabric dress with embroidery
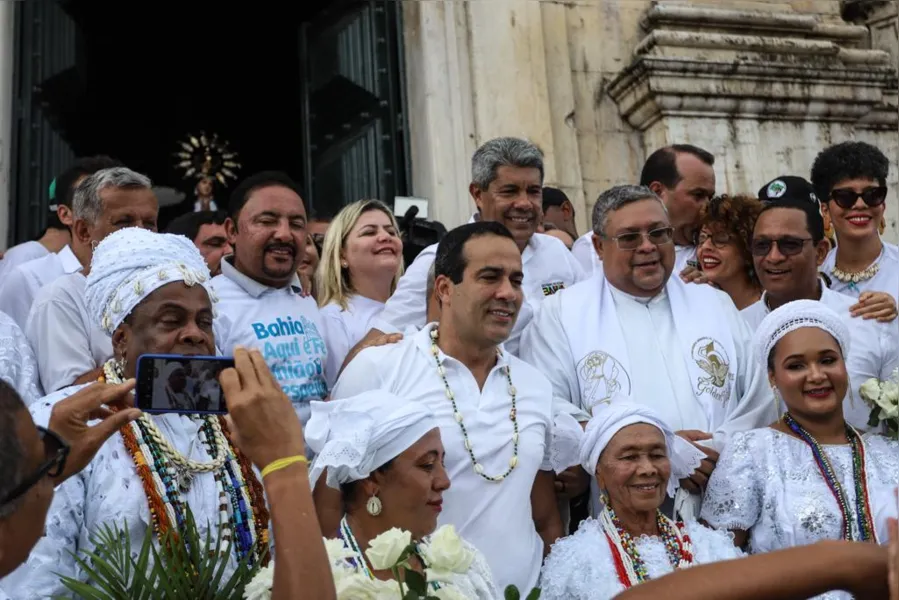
18	366
768	484
580	567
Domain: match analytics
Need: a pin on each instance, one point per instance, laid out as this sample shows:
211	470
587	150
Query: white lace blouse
580	567
18	366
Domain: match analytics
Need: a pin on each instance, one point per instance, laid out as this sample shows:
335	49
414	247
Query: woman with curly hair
722	247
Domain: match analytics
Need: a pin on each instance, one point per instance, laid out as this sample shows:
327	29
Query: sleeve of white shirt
584	253
889	349
408	306
16	296
61	343
337	339
361	375
755	405
543	346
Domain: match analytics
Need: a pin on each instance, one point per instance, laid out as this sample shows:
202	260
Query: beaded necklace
164	480
513	416
629	564
861	515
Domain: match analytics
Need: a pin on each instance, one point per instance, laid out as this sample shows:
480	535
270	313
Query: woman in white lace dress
810	476
637	460
386	457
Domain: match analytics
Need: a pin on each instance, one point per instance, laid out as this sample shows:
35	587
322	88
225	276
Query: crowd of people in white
678	386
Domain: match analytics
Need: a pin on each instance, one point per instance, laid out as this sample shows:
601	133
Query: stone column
7	51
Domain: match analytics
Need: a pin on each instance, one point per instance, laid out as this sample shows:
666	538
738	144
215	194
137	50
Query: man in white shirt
634	331
261	302
494	411
70	347
21	284
788	246
507	186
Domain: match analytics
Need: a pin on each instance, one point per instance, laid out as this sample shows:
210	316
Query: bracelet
277	465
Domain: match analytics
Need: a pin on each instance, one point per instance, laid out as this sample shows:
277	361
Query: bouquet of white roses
883	398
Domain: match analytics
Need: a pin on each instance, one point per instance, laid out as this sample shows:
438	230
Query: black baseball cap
789	188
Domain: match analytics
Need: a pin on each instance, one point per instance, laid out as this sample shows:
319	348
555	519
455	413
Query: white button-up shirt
346	328
547	264
22	284
18	255
885	280
495	517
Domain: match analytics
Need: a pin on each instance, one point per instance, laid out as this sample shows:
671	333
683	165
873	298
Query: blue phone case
149	385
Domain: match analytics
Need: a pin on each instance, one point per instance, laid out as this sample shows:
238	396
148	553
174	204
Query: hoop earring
374	506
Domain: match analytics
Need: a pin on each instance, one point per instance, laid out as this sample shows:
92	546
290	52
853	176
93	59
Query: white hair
86	203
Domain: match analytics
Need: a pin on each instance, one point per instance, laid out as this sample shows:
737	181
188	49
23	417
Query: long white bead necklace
513	416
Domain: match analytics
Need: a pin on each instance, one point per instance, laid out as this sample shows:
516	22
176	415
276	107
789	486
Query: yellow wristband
277	465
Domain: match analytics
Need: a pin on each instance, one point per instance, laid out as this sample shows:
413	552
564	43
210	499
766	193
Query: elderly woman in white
146	290
386	457
637	461
810	476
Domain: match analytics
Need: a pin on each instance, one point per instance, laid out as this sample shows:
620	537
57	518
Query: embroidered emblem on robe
710	356
602	377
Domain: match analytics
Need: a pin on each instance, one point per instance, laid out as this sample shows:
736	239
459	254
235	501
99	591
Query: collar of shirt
619	295
253	287
68	260
422	339
826	292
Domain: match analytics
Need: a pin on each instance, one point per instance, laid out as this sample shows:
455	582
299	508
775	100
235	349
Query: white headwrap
609	419
354	436
130	264
796	315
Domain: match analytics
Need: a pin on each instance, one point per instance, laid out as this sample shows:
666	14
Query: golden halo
206	156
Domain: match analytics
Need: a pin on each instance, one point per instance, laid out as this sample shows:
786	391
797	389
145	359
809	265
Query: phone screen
181	384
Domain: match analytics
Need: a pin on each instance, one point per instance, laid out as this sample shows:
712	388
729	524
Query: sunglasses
633	239
56	450
719	240
788	246
845	197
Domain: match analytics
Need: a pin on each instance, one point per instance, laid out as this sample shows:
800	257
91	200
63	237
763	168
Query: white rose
357	587
448	593
385	550
870	391
889	394
260	587
891	412
337	550
445	553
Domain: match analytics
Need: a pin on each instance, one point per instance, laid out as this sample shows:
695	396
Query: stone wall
600	83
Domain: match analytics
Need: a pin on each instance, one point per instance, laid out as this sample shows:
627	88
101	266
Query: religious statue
208	160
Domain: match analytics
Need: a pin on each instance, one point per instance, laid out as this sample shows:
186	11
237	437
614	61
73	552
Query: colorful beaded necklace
243	515
861	515
513	416
629	564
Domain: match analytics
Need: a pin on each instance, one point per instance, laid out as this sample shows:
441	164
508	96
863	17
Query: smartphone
168	383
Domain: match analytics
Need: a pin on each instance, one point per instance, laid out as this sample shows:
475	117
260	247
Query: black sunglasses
788	246
845	197
56	450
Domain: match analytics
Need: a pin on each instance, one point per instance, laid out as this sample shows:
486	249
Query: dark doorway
286	84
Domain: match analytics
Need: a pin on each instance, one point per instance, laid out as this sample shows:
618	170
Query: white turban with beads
130	264
796	315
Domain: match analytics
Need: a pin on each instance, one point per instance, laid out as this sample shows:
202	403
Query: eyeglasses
719	240
788	246
56	450
633	239
845	197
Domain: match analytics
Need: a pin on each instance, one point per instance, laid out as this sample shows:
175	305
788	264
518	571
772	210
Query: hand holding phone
169	383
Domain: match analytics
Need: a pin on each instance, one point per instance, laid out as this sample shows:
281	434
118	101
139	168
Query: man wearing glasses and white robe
634	331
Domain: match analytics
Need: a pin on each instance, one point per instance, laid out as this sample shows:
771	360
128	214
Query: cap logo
776	189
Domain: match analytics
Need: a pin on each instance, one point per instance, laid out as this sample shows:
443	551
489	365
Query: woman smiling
637	461
810	476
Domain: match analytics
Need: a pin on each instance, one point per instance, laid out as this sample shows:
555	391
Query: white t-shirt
495	517
21	254
282	324
65	339
885	280
21	285
346	328
873	349
547	264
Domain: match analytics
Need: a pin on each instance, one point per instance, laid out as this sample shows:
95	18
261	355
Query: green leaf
416	581
534	595
512	593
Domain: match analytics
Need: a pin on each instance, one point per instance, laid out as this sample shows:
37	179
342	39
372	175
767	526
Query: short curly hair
848	160
735	215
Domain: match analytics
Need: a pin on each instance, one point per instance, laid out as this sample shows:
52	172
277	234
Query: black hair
189	224
848	160
450	260
64	189
554	197
661	165
245	189
813	219
12	454
348	490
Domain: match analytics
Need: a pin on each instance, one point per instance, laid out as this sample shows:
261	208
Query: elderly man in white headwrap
146	290
385	455
636	459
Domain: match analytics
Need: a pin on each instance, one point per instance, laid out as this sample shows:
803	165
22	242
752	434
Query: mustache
281	246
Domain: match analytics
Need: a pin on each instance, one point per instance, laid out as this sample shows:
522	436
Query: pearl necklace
513	416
